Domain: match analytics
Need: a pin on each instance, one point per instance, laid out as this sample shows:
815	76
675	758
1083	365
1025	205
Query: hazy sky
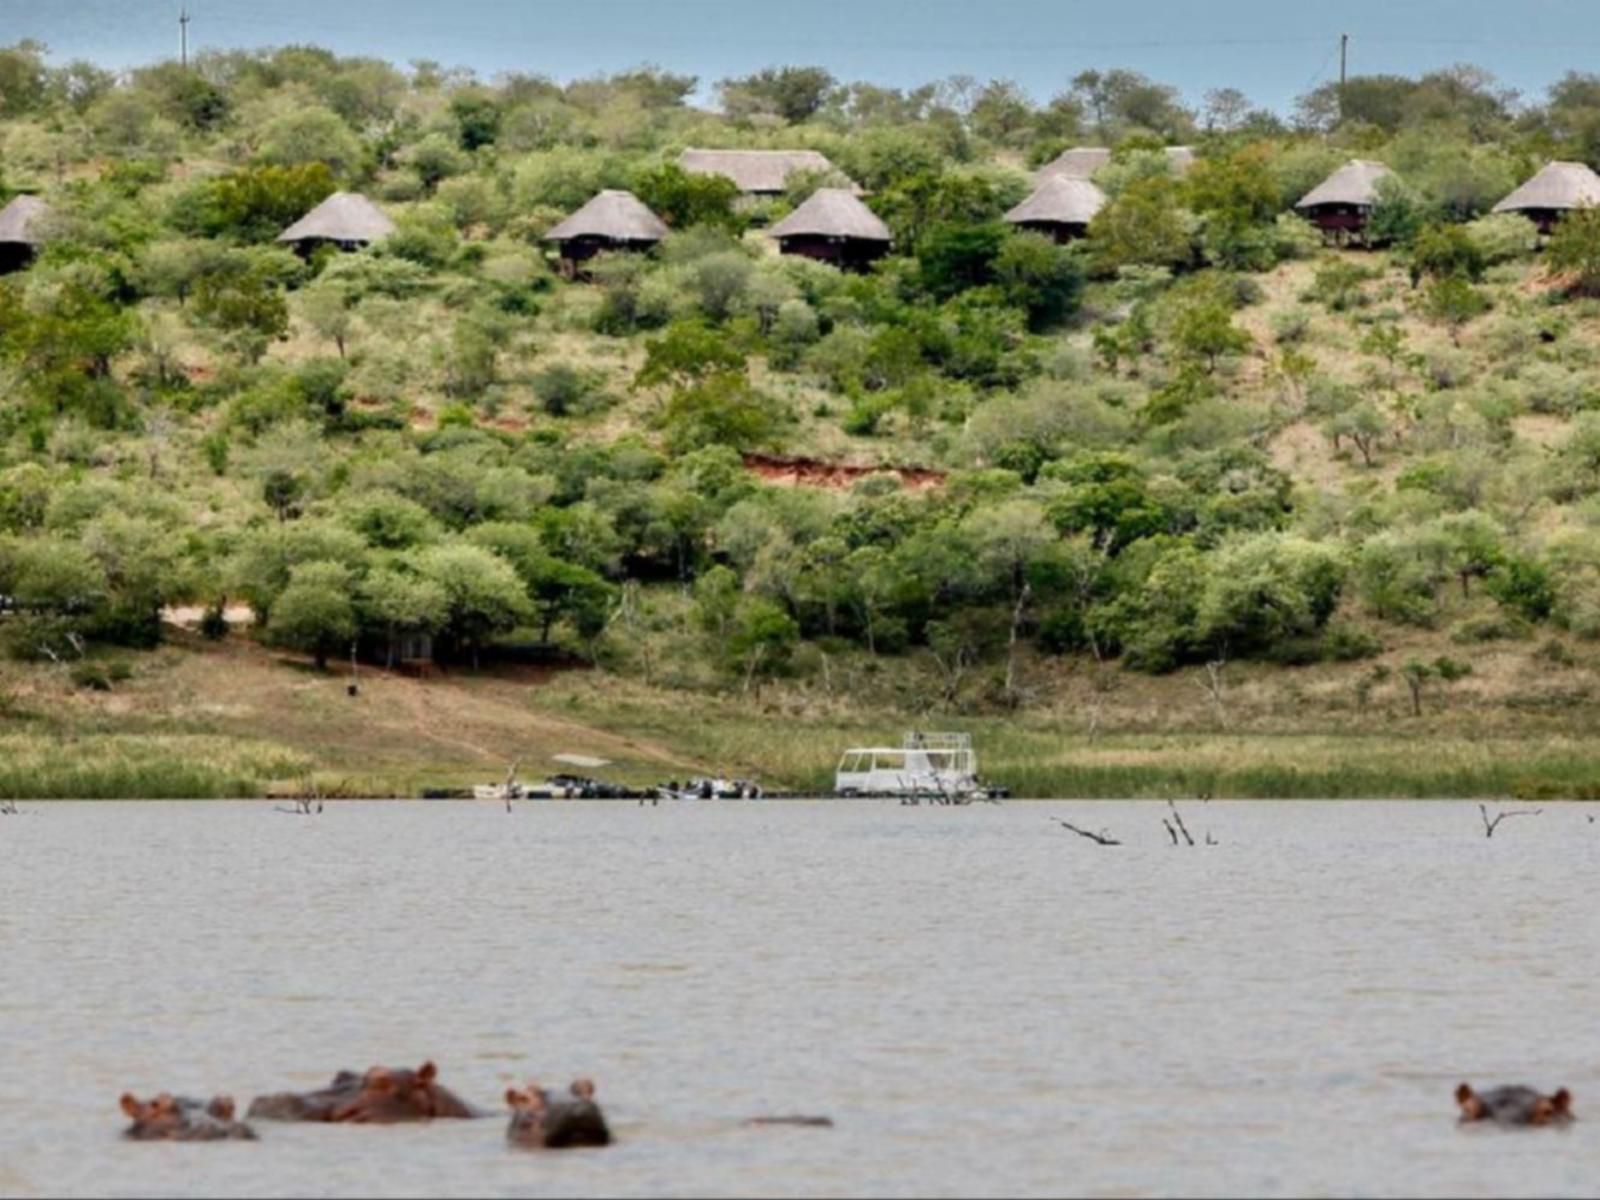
1270	49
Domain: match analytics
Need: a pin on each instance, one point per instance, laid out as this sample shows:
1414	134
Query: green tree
1041	277
477	117
761	640
325	307
723	409
1203	333
1265	589
716	601
556	588
145	570
1472	545
310	135
1574	248
683	199
1144	226
1365	427
1445	252
316	612
246	303
794	94
1454	302
399	602
1008	541
483	595
687	353
256	203
952	258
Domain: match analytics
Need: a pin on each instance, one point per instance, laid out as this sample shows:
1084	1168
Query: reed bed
137	767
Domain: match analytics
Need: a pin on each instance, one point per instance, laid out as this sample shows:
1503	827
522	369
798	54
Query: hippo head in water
172	1118
544	1119
382	1095
1514	1106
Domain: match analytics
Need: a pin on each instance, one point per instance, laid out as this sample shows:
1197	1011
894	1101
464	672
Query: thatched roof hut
22	230
612	220
834	226
755	172
1061	207
1341	203
347	219
1558	188
1081	162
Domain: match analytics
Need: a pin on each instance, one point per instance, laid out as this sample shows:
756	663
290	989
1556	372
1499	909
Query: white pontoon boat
940	767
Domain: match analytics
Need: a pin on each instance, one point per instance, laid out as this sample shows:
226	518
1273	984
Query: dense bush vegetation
1194	436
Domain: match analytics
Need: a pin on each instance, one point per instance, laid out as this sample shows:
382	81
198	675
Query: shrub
1491	627
1349	643
99	676
1501	237
564	390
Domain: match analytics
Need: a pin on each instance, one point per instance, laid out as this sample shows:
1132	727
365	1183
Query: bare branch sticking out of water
1102	838
8	808
1490	826
1171	832
1177	819
302	808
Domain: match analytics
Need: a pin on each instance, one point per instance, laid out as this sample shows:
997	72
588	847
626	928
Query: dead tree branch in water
8	808
1102	838
1490	826
1177	818
302	808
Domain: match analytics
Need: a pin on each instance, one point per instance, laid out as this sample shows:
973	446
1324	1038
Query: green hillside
1201	504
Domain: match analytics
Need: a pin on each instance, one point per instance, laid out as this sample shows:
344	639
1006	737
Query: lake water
983	1002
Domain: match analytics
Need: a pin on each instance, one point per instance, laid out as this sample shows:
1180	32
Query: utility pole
1344	51
183	35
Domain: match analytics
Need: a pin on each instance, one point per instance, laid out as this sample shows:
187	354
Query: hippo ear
516	1099
426	1072
130	1105
221	1107
583	1089
1561	1102
1471	1107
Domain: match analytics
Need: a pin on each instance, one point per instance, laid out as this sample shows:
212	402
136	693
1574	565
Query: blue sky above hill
1270	50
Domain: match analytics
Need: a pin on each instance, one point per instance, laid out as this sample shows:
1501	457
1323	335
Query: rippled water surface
983	1002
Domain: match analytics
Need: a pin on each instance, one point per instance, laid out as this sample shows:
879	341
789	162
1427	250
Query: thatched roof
1059	200
754	170
614	215
342	217
1557	185
22	221
833	212
1354	183
1081	162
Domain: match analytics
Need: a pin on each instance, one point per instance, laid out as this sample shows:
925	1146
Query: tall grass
1036	761
133	767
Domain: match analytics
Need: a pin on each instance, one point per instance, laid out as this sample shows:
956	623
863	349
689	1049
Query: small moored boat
708	788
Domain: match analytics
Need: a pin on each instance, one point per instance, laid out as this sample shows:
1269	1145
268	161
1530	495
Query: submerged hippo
1514	1106
552	1121
381	1096
181	1119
